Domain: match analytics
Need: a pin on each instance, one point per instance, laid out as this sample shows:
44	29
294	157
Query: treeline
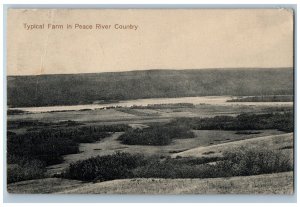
242	162
17	124
155	135
277	98
15	112
165	106
73	89
281	121
48	146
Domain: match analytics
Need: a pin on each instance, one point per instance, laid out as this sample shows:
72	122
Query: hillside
72	89
279	183
274	142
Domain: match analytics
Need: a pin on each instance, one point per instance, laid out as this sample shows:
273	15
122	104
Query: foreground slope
279	183
272	142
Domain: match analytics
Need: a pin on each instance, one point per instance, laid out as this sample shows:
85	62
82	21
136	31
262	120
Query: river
212	100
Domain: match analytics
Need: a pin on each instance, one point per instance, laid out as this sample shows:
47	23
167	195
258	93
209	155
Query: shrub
15	112
242	162
43	147
103	168
245	162
49	145
173	168
25	170
154	135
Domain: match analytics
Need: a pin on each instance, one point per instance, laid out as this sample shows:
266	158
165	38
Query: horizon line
126	71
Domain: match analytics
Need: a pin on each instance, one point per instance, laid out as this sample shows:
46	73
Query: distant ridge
72	89
154	70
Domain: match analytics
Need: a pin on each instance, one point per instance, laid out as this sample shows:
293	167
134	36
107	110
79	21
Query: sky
164	39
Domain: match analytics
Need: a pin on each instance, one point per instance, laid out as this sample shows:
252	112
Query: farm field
115	116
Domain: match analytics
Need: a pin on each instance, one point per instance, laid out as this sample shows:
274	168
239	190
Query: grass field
272	142
114	116
111	145
279	183
47	185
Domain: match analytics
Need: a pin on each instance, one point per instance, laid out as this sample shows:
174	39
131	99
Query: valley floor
206	143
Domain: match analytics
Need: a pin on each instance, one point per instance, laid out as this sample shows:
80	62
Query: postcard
150	101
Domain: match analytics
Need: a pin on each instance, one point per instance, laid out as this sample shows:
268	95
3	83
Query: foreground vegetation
242	162
29	153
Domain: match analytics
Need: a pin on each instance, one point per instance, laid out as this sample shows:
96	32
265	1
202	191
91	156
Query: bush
15	112
124	165
39	146
244	162
173	168
154	135
49	145
103	168
25	170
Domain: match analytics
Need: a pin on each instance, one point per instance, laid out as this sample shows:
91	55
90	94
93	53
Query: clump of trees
102	168
26	169
155	135
266	98
281	121
15	112
165	106
242	162
35	124
32	151
250	161
45	146
50	145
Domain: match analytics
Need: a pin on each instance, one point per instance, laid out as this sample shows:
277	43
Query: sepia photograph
150	101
